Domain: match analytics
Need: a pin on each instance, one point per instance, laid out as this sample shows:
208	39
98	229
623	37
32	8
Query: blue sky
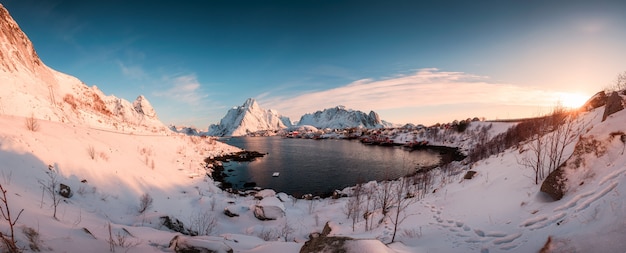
410	61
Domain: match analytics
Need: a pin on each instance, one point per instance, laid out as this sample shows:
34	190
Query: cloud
424	88
133	72
185	89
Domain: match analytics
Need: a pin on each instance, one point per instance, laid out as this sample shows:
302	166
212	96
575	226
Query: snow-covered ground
112	153
499	210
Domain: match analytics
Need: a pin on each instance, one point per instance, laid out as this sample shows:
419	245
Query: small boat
275	174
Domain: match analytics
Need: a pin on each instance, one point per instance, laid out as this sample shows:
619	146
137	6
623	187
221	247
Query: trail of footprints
506	241
463	233
577	204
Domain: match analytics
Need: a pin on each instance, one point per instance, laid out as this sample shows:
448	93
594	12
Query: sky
418	62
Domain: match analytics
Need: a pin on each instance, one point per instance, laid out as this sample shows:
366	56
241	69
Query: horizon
409	61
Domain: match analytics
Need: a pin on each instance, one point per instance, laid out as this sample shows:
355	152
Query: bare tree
367	212
50	186
384	196
550	137
8	240
620	81
354	205
403	199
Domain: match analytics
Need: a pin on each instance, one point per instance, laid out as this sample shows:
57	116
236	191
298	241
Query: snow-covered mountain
248	118
55	96
339	117
499	208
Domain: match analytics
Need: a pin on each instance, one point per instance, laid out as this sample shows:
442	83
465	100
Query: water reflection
320	166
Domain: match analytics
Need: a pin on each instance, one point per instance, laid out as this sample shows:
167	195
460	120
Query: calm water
320	166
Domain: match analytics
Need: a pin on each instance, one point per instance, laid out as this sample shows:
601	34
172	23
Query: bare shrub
286	230
120	240
412	233
267	234
145	202
50	186
32	124
8	240
620	81
203	222
33	238
91	151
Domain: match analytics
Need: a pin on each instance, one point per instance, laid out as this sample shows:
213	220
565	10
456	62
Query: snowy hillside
131	190
248	118
32	89
339	118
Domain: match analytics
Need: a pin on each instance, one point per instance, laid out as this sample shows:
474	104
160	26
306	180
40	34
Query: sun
573	100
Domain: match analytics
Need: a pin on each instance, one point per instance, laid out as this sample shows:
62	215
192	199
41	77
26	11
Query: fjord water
320	166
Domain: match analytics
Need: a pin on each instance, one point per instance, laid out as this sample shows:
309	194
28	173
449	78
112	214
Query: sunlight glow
573	100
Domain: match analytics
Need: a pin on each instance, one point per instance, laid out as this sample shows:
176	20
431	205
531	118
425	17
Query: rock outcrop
613	105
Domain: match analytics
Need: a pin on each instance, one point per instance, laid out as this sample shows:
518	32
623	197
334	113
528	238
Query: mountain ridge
52	95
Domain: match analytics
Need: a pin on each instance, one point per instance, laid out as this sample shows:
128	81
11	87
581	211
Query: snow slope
30	88
248	118
109	169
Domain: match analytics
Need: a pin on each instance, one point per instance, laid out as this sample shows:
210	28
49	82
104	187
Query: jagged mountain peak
250	103
248	118
339	117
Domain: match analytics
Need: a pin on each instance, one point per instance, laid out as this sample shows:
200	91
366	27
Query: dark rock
229	213
469	174
554	184
325	244
180	244
321	242
597	100
65	191
326	230
613	105
176	225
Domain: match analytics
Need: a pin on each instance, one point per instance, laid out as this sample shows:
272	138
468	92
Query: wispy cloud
133	72
185	89
424	88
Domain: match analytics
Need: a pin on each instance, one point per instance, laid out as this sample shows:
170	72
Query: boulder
176	225
613	105
235	210
269	208
554	184
266	193
65	191
321	242
198	244
597	100
469	174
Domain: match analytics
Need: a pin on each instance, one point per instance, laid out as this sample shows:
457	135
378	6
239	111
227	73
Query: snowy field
499	210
